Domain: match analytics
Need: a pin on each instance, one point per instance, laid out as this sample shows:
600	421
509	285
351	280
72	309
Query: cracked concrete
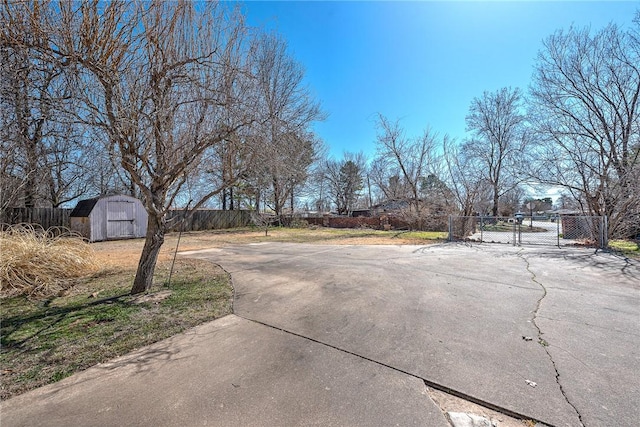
541	340
590	320
447	399
454	315
372	301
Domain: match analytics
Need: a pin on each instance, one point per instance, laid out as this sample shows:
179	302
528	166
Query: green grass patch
46	340
326	235
302	235
424	235
499	226
628	248
507	227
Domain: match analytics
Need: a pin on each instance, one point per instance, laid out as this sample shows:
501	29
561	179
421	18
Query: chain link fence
555	230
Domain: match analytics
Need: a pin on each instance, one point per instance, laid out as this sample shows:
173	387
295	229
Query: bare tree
283	167
585	101
499	139
162	81
388	185
405	160
344	179
288	147
315	191
465	178
43	142
181	79
104	174
65	168
511	200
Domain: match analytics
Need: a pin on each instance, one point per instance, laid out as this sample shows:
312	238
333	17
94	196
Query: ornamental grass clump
38	262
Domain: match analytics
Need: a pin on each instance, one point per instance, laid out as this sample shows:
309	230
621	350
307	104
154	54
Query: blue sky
421	62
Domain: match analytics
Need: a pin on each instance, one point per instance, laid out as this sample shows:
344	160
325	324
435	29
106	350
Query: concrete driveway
352	335
485	321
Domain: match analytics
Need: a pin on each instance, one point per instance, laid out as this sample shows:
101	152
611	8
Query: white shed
109	218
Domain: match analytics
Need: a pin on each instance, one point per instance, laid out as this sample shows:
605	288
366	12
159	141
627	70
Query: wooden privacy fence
209	219
46	217
206	219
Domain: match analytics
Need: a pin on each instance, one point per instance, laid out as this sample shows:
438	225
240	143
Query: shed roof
84	207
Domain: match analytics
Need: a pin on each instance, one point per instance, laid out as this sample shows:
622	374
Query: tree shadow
600	259
12	324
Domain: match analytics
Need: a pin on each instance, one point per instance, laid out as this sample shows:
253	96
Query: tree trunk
278	203
154	240
496	198
29	191
278	211
31	185
292	201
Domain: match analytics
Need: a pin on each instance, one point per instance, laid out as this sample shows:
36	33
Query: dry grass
34	261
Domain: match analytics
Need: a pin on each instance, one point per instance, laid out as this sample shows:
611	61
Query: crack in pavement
430	383
541	341
427	382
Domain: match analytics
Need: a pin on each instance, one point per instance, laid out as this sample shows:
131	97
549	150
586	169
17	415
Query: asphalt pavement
353	335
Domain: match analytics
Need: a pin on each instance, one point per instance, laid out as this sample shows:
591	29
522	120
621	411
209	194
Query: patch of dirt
120	254
153	298
126	253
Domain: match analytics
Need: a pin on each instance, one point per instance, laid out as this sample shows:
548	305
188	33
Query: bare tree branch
585	102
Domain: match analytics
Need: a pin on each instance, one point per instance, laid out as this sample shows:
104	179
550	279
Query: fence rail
200	220
46	217
206	219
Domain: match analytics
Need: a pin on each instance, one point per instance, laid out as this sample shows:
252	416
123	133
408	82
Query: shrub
299	223
34	261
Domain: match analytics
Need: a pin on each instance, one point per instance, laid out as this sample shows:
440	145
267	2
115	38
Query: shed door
120	216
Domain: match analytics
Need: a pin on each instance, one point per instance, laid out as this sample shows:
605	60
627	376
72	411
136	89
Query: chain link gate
555	230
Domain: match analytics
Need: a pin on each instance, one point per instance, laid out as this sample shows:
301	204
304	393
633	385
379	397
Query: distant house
392	206
433	206
109	218
361	213
388	207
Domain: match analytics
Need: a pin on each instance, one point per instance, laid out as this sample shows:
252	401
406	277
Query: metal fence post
450	228
558	219
519	234
481	229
